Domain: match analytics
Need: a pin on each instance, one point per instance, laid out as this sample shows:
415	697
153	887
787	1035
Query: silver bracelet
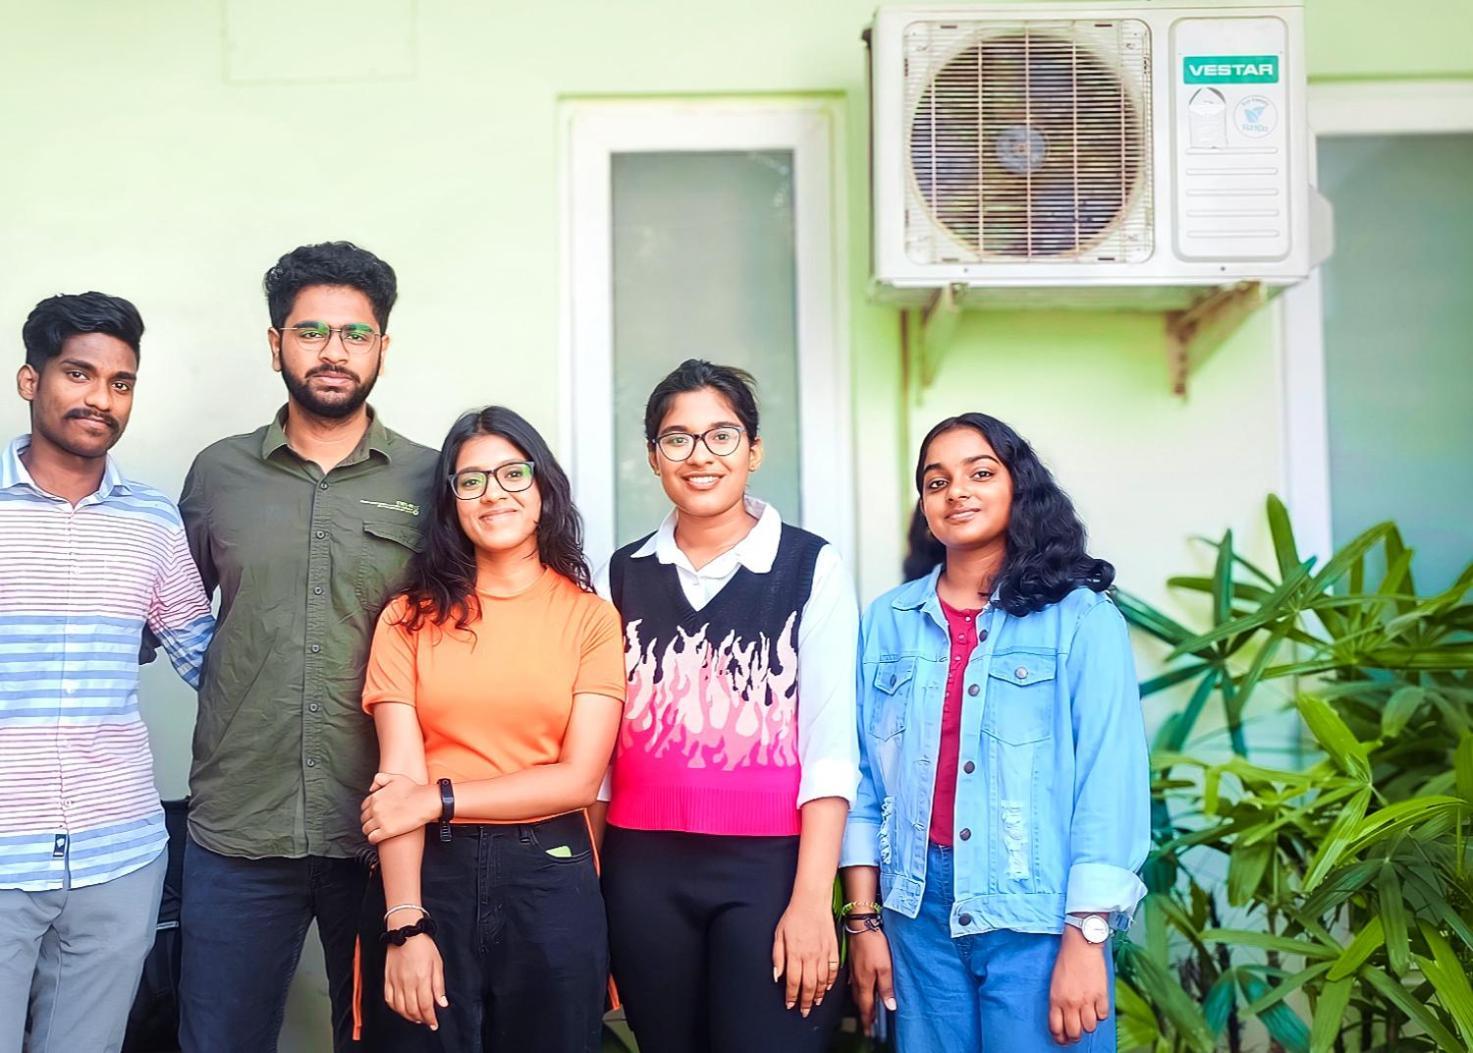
404	906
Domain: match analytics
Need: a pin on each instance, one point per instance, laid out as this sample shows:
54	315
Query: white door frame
1342	109
595	130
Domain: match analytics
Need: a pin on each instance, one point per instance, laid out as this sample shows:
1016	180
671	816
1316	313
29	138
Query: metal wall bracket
938	321
1194	334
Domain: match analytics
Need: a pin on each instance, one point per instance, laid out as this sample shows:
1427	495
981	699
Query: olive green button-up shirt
305	561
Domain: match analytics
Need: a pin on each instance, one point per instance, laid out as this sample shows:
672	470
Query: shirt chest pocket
385	551
1020	697
893	682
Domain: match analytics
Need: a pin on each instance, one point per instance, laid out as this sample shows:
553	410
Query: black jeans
691	919
242	925
520	927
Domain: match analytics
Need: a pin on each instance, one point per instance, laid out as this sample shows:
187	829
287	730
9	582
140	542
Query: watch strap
447	808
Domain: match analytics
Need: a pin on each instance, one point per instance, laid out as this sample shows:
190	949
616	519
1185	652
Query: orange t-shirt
500	700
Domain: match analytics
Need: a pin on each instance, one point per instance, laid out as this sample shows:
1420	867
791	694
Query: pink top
962	632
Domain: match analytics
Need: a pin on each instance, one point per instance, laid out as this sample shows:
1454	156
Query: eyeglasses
470	484
314	337
721	440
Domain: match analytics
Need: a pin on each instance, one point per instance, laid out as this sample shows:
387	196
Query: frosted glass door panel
703	267
1398	297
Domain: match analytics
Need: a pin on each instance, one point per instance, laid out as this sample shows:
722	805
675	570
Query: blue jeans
242	926
987	992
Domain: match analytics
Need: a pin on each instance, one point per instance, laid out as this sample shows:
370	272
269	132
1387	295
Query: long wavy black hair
1045	558
442	579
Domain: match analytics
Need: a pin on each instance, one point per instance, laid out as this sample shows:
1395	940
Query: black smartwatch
447	808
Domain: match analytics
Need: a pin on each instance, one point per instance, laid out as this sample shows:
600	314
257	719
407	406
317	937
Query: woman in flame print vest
737	757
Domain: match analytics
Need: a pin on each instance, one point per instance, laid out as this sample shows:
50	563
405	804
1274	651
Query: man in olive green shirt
306	526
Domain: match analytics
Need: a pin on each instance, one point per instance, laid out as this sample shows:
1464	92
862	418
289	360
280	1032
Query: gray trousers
73	957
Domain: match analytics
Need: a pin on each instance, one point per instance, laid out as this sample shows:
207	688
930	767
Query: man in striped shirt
87	560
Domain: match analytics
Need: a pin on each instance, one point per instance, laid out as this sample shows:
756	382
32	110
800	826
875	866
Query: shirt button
322	486
311	762
316	648
981	635
313	706
317	590
965	835
321	534
969	767
973	690
964	919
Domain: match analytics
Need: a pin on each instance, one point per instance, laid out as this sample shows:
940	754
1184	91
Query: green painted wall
169	150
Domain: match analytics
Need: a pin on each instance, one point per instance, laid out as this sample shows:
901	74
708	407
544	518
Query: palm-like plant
1351	877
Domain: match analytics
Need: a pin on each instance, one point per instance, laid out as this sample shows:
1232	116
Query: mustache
108	419
333	371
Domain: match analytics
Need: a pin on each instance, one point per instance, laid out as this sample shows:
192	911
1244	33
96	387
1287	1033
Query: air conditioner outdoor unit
1131	153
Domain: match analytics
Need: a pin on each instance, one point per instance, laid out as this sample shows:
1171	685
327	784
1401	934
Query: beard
332	405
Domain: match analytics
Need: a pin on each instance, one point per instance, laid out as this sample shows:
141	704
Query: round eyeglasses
469	484
313	337
722	440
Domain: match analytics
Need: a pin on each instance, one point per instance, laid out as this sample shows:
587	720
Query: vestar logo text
1232	69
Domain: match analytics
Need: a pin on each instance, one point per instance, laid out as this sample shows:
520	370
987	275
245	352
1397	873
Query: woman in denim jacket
1004	806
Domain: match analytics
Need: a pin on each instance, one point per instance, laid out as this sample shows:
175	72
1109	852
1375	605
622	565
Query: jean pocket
1020	697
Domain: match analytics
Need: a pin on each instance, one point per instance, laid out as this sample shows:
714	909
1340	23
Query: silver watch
1095	927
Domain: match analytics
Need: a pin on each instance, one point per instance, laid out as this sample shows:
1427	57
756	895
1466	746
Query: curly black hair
1046	558
442	579
330	263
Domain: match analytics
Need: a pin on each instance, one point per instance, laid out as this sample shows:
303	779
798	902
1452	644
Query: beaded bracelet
850	908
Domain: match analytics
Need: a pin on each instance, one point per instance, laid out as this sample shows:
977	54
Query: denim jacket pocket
892	681
1020	697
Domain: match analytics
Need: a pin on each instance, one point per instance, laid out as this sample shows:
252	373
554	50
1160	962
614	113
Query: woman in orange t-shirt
496	684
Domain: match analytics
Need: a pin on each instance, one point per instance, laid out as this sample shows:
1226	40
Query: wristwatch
447	808
1094	927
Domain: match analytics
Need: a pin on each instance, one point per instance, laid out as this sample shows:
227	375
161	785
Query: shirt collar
375	439
756	551
921	595
13	472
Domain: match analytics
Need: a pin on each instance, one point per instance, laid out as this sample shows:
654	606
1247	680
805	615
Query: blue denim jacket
1054	817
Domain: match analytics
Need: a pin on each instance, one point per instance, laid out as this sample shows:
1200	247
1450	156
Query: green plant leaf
1149	619
1394	919
1246	866
1265	941
1289	986
1449	980
1463	766
1217	1007
1222	581
1171	679
1334	737
1398	995
1338	838
1156	984
1282	1023
1400	709
1282	532
1370	936
1403	815
1329	1015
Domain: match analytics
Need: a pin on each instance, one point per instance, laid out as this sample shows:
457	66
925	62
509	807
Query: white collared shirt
828	635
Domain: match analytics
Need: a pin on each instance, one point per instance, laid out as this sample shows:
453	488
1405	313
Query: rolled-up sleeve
1110	833
828	746
861	847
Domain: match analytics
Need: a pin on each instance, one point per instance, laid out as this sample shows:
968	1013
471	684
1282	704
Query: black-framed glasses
722	440
312	337
469	484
